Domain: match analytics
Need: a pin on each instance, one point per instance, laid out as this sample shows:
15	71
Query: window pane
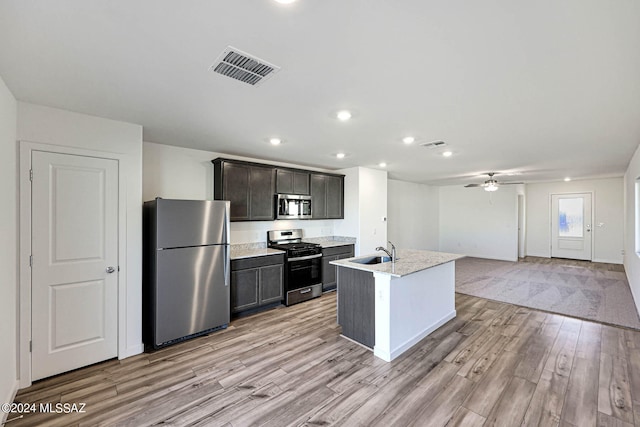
570	217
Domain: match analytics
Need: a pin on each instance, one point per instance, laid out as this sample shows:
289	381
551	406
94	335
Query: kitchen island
390	306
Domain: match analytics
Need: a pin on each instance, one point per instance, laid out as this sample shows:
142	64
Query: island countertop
408	261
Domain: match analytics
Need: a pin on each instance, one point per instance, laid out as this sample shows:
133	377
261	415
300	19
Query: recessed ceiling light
340	155
285	1
408	140
343	115
382	164
567	179
275	141
447	154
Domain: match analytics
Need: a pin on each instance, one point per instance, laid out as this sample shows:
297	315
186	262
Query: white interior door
571	226
74	272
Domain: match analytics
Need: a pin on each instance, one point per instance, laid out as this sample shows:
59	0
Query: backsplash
256	231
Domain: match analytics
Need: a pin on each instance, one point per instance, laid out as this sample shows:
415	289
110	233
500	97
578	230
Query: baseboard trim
9	399
132	351
389	356
607	261
492	258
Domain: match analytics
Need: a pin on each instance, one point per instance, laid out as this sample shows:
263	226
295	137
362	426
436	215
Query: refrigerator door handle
227	263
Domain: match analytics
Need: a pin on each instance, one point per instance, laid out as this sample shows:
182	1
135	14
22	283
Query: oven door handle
302	258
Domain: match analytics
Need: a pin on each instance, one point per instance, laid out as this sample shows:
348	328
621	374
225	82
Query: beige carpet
591	291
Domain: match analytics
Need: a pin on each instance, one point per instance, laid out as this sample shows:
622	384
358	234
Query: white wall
8	247
632	226
478	223
365	208
351	222
373	209
608	209
58	127
181	173
413	211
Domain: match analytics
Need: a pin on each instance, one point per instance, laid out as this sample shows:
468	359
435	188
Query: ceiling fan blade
511	183
473	185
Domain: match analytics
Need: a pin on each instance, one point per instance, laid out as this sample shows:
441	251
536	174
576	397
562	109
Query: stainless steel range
303	265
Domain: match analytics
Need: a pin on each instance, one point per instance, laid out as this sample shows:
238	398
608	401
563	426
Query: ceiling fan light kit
491	184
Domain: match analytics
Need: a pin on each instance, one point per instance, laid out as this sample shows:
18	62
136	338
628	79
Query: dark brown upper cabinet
249	187
292	182
327	196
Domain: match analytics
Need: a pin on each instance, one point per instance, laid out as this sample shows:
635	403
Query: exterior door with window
571	223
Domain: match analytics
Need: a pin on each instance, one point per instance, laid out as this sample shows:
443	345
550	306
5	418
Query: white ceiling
545	88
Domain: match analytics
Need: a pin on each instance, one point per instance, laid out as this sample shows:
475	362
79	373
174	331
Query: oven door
304	271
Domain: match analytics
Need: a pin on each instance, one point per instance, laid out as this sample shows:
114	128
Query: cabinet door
236	190
328	273
261	187
334	199
271	284
300	183
284	181
244	289
318	196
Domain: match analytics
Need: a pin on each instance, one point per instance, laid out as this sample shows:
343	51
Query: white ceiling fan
491	184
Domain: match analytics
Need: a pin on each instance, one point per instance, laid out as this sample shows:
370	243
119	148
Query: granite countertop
408	261
250	250
332	241
332	244
239	253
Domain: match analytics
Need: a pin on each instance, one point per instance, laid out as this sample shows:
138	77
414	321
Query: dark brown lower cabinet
328	270
256	283
356	305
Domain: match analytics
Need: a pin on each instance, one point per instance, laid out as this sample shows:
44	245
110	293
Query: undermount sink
372	260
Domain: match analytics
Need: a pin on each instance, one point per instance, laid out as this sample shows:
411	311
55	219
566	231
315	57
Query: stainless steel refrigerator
185	269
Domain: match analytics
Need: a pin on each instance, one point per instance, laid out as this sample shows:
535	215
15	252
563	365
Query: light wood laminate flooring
494	364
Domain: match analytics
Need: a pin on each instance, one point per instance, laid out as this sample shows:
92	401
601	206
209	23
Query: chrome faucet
391	254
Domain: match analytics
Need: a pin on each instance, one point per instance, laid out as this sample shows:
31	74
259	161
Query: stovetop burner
291	241
294	246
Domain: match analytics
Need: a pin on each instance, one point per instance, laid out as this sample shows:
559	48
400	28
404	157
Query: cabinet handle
306	291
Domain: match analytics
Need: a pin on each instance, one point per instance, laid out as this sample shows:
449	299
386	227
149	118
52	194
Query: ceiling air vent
433	144
241	66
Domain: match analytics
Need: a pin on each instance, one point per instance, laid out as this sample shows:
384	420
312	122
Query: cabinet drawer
337	250
259	261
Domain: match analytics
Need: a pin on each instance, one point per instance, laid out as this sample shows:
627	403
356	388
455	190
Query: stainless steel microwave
293	206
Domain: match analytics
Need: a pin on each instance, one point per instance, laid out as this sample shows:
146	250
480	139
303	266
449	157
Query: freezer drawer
191	291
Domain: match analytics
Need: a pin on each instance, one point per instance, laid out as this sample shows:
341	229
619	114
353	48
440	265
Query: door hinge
30	260
31	175
30	346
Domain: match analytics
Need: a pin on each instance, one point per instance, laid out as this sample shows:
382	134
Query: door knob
110	269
